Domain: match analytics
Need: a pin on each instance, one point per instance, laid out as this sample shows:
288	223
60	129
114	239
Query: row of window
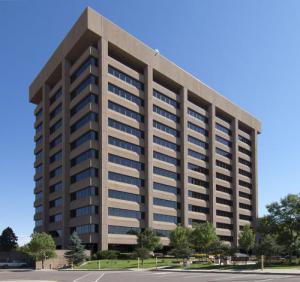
125	145
56	96
197	155
197	115
91	116
223	141
166	99
166	203
197	128
125	128
55	218
56	111
88	136
90	172
223	201
125	162
166	114
223	153
223	165
57	187
197	142
166	188
90	61
114	194
84	229
166	173
56	172
223	129
223	177
166	158
91	79
126	179
166	129
89	154
55	126
83	211
56	157
166	218
198	209
166	144
125	111
197	195
198	182
125	94
126	213
84	193
198	168
90	98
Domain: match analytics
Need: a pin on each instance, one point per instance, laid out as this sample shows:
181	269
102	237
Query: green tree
247	239
284	218
180	242
8	240
75	254
41	247
204	238
147	242
268	246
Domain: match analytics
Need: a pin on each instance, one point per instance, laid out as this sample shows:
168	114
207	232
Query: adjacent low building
126	140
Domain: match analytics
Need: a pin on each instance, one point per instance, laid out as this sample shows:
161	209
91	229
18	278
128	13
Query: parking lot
129	276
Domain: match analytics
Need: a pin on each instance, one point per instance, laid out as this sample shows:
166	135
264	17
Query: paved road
145	276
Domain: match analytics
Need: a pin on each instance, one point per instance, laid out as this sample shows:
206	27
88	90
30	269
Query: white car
12	264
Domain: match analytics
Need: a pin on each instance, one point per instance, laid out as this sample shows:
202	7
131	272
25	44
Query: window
166	129
125	213
91	116
224	213
166	99
223	153
198	129
125	179
125	77
162	233
57	187
125	111
193	221
89	154
223	141
244	140
245	206
245	184
197	115
166	144
224	201
91	98
125	196
166	218
198	209
166	173
245	217
226	119
224	226
39	169
55	141
166	203
56	203
223	165
84	229
91	61
38	222
56	172
223	129
56	111
245	173
39	128
39	141
197	142
56	233
224	177
166	114
39	182
56	96
245	151
224	189
56	157
225	238
166	158
125	128
39	196
197	155
55	126
83	211
90	172
91	79
245	162
55	218
125	94
245	195
166	188
198	182
38	114
197	195
39	209
125	162
90	135
113	229
198	168
125	145
84	193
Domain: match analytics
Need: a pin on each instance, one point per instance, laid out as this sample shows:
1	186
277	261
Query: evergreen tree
8	240
75	255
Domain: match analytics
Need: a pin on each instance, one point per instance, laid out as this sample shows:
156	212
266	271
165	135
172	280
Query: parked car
12	264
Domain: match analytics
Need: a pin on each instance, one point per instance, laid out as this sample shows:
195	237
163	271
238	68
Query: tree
284	218
8	240
247	239
204	238
180	242
41	247
75	255
268	246
147	242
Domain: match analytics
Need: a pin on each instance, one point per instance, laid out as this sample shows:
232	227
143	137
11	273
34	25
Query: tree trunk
42	263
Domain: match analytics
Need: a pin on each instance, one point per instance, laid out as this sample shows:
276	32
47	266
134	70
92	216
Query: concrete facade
163	148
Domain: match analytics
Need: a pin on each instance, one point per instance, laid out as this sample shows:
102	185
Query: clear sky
249	51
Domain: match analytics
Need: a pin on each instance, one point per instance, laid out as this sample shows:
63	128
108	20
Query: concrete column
235	182
254	177
66	151
45	103
183	159
102	135
148	74
212	165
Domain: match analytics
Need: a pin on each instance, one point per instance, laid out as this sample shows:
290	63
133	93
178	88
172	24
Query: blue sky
249	51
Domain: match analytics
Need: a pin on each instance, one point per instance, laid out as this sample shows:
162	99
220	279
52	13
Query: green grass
124	264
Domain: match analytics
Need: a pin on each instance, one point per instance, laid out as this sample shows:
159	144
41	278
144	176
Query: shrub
127	256
108	254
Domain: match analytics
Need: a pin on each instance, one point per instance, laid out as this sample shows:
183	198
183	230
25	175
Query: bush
109	254
127	256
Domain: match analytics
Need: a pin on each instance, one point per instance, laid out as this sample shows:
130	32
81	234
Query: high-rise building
127	140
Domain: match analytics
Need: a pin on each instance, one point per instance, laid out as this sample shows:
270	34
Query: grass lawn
123	264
